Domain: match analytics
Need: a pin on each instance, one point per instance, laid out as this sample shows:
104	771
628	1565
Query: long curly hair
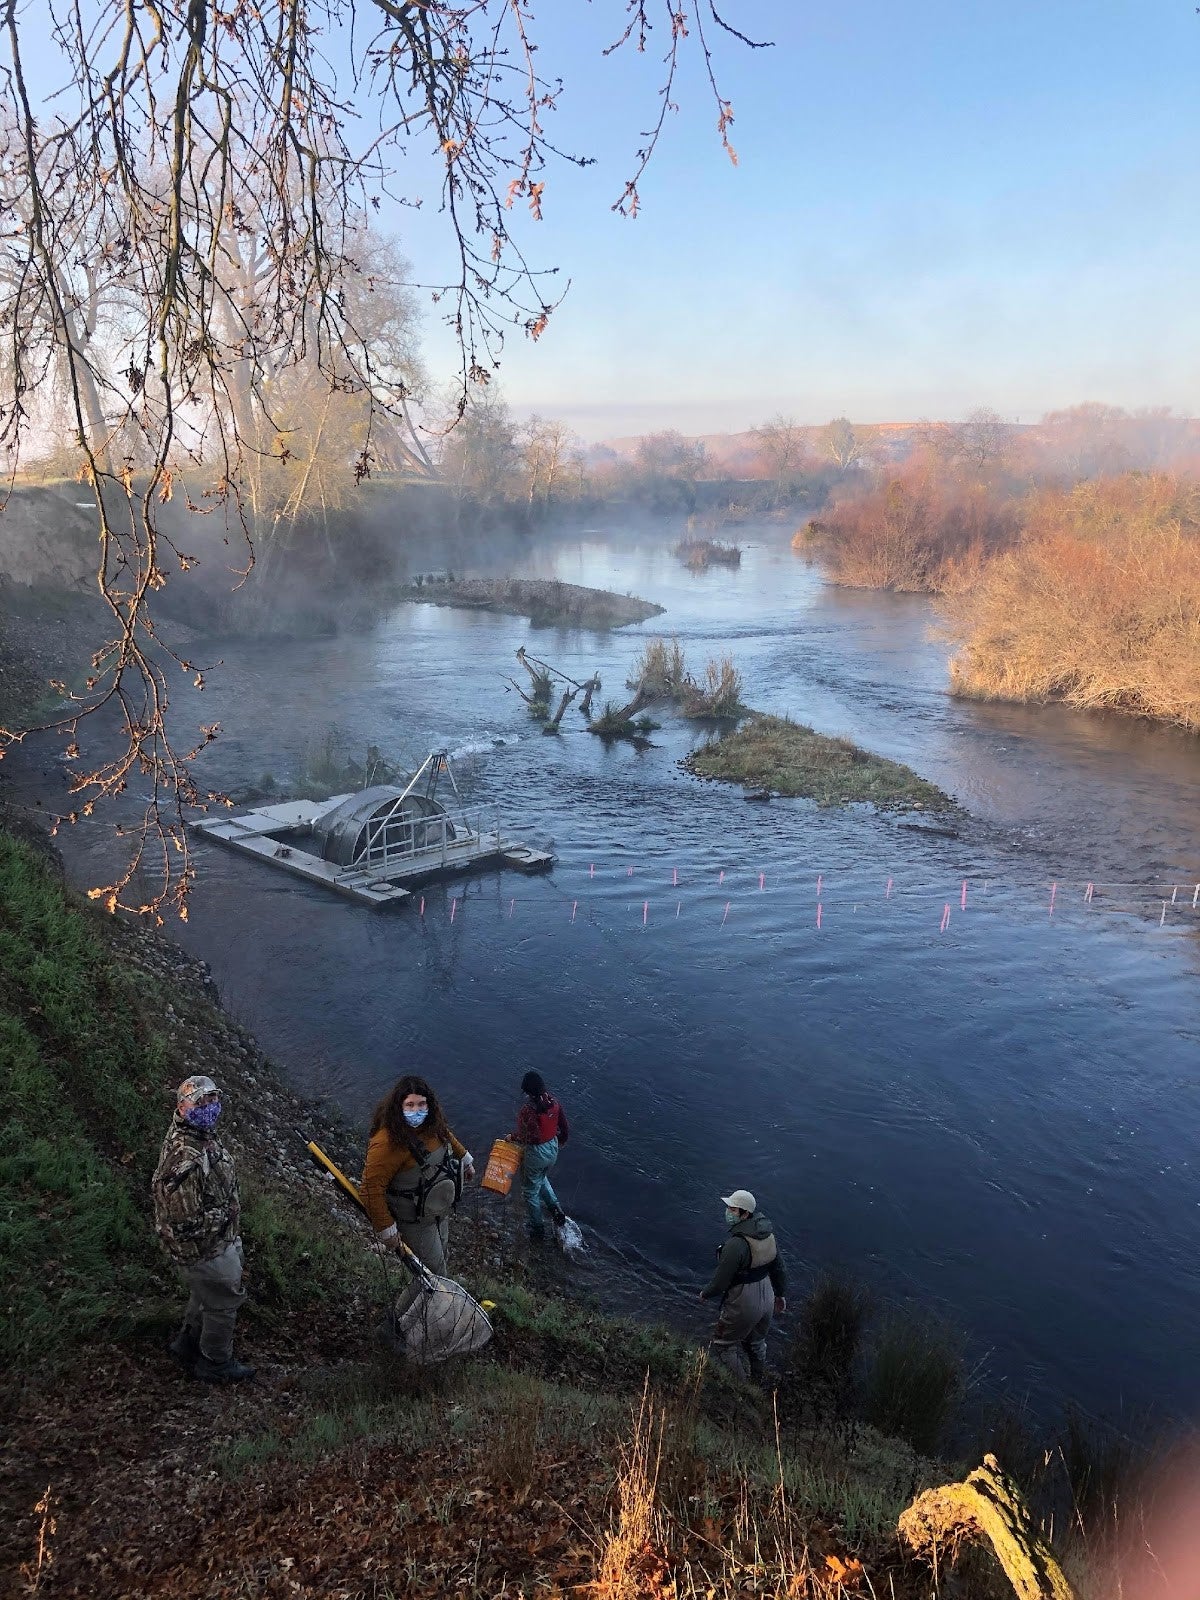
389	1114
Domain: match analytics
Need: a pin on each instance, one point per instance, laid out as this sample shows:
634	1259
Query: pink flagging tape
629	872
1087	894
1053	892
674	877
963	901
887	893
453	908
645	912
728	903
422	905
574	909
762	881
721	877
945	920
818	913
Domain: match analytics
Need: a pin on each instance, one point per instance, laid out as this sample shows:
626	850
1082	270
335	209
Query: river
995	1121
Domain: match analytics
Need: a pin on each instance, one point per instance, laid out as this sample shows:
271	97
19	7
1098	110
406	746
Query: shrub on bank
917	530
1098	605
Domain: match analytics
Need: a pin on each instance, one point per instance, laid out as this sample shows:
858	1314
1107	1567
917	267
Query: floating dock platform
376	846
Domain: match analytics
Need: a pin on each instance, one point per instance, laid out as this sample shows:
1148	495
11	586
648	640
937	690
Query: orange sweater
384	1160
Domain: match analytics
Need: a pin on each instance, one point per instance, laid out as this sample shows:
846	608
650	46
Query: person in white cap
752	1286
197	1214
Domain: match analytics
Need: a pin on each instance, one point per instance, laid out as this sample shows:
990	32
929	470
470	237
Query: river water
996	1121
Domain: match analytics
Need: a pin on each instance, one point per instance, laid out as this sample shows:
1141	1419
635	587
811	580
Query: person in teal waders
541	1128
752	1286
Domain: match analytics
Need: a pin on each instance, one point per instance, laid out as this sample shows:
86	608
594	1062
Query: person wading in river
196	1215
541	1128
752	1286
413	1176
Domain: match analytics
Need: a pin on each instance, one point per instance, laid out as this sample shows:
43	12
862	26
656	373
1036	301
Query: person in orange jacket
414	1171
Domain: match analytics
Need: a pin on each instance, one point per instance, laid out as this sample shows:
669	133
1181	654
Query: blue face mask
415	1118
203	1117
732	1216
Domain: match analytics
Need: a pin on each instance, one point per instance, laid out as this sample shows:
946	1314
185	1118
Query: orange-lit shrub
1097	605
916	530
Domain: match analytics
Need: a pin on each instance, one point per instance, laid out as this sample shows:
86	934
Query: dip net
442	1321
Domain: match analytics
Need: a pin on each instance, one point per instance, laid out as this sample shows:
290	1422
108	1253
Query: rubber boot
185	1347
231	1371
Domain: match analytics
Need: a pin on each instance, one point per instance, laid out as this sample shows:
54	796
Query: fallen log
585	705
568	696
986	1505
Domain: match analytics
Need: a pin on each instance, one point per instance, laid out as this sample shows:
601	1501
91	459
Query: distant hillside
737	454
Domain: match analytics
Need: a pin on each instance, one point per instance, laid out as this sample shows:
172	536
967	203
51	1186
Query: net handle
408	1255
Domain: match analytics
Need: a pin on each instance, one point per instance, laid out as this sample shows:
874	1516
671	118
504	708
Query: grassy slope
86	1069
778	754
505	1455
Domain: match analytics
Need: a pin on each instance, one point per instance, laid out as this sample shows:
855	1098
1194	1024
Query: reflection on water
997	1120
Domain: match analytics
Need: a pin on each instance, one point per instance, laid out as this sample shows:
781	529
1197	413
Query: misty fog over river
998	1122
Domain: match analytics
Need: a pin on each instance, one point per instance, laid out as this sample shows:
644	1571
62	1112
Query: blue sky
938	205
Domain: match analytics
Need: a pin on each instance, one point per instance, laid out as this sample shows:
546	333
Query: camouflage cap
191	1091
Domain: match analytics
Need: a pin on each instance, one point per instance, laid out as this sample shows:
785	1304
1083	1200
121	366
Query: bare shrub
700	554
1098	605
908	532
831	1324
914	1383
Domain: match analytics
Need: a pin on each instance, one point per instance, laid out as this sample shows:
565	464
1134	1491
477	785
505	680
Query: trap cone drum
442	1321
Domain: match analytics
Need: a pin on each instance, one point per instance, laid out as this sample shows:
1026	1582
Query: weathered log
528	698
585	705
568	696
639	703
986	1505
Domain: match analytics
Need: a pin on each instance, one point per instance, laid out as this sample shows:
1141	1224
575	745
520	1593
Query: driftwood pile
613	722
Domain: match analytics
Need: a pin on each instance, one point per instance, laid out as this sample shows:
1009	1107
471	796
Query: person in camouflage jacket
196	1216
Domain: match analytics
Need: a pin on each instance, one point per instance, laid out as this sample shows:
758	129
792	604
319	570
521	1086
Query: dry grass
661	673
660	669
718	695
1098	606
786	757
738	1536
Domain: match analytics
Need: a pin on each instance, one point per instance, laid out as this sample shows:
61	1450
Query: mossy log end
987	1505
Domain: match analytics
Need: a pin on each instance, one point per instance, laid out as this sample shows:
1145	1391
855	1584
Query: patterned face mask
203	1117
415	1118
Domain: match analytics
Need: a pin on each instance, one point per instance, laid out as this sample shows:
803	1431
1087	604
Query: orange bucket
502	1167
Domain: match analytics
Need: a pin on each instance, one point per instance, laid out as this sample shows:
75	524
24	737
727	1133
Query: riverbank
777	756
338	1467
546	602
578	1454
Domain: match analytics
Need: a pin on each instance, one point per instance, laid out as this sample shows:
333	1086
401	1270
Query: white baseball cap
739	1200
